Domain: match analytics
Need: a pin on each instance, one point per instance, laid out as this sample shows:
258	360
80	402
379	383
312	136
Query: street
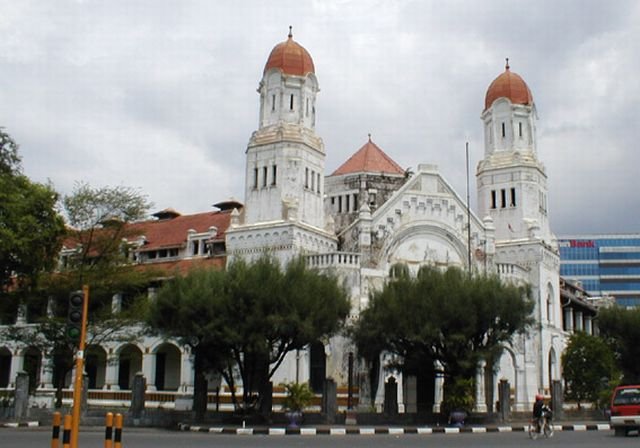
152	438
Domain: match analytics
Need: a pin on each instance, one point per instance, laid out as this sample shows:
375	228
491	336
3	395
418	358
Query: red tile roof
173	232
165	233
369	159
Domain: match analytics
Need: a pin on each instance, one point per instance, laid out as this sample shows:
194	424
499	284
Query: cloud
162	95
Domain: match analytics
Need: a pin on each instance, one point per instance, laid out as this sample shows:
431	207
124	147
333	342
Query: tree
190	309
446	316
588	365
621	328
252	314
99	219
30	227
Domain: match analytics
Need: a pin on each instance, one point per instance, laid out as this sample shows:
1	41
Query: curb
20	425
340	430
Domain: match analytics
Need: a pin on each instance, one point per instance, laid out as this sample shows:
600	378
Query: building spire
290	32
506	66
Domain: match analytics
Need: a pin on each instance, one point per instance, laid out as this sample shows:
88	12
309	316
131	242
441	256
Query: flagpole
468	212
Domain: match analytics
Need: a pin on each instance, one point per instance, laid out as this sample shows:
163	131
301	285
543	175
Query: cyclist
538	407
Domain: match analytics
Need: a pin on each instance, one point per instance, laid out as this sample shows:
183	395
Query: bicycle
542	426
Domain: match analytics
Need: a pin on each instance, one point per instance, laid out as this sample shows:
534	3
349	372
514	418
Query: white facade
422	221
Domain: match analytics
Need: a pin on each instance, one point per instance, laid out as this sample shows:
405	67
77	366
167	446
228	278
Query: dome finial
506	66
290	32
369	136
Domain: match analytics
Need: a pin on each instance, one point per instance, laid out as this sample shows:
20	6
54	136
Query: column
17	365
568	319
46	372
438	393
112	369
481	401
588	327
578	321
186	372
116	303
149	370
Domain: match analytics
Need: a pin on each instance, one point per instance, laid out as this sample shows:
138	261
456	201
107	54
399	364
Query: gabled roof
369	159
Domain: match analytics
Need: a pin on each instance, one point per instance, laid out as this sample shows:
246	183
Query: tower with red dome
285	158
512	198
285	162
512	182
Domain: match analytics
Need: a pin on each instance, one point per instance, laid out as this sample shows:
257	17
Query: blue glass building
604	264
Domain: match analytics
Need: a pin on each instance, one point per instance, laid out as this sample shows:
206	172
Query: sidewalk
374	430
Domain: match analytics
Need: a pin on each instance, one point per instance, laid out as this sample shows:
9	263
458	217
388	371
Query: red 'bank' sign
582	243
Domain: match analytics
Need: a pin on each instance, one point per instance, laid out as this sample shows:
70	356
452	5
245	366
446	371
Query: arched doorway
317	366
130	363
506	371
5	367
62	369
32	364
168	361
96	366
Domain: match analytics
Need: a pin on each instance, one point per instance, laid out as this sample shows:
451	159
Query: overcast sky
161	95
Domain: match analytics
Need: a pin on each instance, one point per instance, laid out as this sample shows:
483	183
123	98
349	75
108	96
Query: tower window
318	183
313	180
520	128
307	108
513	197
264	176
493	198
274	174
291	102
346	204
273	103
255	178
355	202
503	198
339	204
306	178
504	130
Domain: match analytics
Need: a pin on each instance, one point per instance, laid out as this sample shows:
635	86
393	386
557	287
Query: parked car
625	409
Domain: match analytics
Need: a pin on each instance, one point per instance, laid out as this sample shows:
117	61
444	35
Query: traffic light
74	315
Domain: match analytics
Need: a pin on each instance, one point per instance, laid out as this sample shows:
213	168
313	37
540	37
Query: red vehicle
625	409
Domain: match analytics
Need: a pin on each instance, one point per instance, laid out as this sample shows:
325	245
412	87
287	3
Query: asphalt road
150	438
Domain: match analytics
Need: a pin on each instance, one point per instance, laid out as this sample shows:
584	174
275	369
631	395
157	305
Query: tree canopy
446	316
30	227
250	315
588	366
621	328
97	257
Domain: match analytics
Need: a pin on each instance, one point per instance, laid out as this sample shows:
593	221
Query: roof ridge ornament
506	66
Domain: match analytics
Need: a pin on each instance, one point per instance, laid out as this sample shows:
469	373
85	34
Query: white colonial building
361	219
370	214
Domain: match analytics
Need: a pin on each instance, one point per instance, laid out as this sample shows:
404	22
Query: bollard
108	430
55	434
66	435
117	439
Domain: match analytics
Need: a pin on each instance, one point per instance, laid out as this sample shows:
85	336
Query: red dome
508	85
291	58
